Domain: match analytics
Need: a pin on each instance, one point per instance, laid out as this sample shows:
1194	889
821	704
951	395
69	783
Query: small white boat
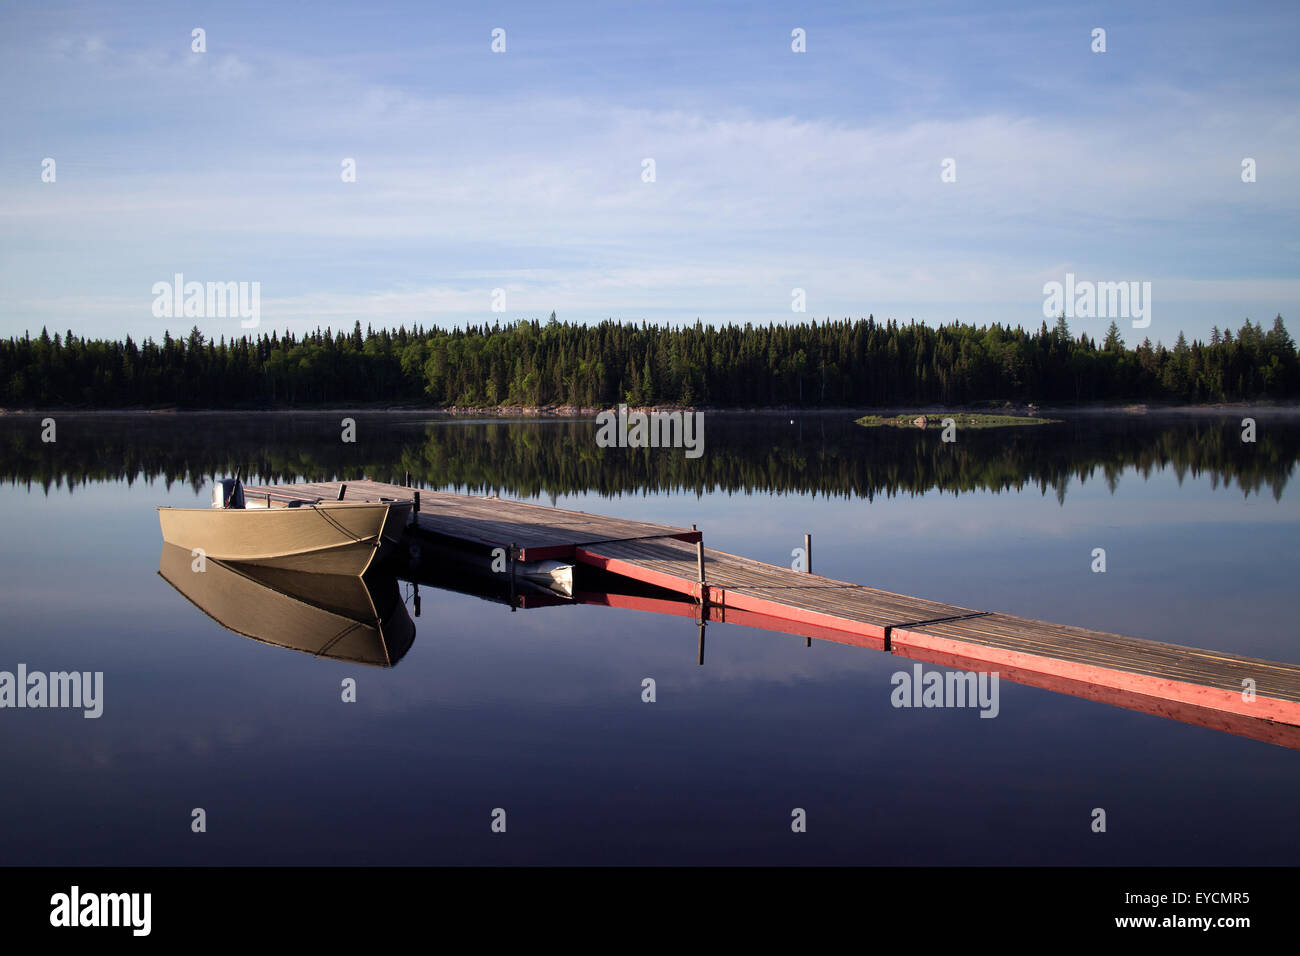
324	537
554	575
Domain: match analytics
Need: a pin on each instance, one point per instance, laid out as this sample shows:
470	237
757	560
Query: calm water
539	712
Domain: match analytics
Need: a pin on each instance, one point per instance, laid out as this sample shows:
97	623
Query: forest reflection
824	454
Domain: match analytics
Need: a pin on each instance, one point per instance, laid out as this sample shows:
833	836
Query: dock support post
416	509
417	600
807	557
704	598
704	587
513	554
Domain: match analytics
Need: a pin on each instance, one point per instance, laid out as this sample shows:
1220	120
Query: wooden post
343	490
512	553
807	557
704	587
417	600
416	509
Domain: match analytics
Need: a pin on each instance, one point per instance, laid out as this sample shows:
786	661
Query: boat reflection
342	617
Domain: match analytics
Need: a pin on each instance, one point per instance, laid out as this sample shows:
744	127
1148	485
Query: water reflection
364	620
825	453
654	601
359	620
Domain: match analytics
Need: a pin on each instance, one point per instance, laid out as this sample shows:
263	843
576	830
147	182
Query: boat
342	617
321	537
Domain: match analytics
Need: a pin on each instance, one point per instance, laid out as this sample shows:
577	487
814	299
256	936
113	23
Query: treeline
811	364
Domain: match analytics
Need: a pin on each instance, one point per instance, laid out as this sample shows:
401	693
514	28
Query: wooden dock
1242	695
538	532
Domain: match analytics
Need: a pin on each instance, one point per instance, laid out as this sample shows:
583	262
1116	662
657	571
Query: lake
539	712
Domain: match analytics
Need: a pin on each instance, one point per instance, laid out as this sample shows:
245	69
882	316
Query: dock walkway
1223	689
540	533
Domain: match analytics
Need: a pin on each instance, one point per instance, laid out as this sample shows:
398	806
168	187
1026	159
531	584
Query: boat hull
327	538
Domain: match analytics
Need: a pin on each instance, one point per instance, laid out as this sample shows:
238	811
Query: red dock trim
870	635
1256	728
785	625
731	615
935	650
634	602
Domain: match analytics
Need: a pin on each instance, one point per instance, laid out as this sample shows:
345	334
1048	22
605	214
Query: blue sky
522	170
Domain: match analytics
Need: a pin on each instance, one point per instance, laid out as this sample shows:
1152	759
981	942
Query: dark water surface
539	712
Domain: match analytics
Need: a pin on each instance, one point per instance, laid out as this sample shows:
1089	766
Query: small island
967	420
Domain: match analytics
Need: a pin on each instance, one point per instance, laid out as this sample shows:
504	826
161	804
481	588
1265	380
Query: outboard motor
228	493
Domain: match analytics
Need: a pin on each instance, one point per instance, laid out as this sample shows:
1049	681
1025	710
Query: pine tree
1113	342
